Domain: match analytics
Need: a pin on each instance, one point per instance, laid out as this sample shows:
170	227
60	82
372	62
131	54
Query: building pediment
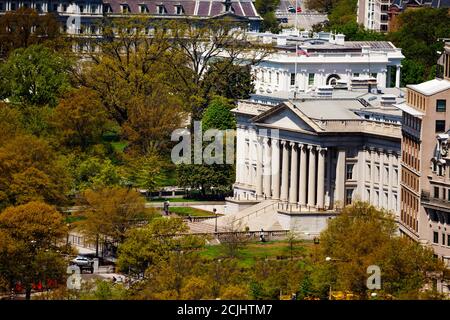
286	116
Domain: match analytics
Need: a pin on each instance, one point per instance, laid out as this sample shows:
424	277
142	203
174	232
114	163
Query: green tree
234	82
111	212
35	75
80	119
24	27
31	170
362	236
217	177
267	8
417	35
28	251
155	242
145	172
92	172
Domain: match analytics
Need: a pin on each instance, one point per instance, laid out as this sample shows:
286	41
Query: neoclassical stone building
304	159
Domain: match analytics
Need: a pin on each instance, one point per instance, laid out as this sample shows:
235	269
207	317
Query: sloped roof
431	87
196	8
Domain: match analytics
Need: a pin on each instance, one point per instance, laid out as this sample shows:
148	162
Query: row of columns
288	180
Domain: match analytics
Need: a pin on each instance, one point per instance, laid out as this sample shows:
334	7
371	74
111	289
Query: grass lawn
173	200
256	251
72	219
194	212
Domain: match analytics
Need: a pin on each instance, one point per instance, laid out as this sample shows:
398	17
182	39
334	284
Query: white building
326	59
300	161
373	14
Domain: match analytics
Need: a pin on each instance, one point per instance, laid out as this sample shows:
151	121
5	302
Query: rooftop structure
302	64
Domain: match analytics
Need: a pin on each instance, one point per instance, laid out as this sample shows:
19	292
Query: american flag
302	52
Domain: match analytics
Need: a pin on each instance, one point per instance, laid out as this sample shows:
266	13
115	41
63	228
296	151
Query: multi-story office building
90	12
425	175
374	14
302	64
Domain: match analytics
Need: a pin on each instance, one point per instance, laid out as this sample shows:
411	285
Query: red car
299	9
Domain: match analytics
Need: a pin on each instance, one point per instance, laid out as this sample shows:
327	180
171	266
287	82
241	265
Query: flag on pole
302	52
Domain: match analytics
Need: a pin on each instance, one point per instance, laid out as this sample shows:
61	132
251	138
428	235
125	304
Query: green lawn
193	212
256	251
173	200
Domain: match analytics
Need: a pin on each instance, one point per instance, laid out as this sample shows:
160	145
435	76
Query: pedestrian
114	279
189	218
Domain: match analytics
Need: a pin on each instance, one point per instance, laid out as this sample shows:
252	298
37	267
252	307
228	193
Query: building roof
431	87
410	110
192	8
329	109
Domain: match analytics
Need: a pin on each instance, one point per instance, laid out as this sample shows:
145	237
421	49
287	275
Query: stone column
259	162
321	179
267	168
397	77
312	177
276	168
340	177
293	192
239	155
303	175
285	171
390	156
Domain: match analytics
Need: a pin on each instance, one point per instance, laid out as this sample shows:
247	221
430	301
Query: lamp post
215	214
67	239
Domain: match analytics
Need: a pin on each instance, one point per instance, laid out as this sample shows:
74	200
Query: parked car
291	9
83	263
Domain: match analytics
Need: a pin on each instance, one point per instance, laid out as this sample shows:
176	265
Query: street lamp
67	239
215	213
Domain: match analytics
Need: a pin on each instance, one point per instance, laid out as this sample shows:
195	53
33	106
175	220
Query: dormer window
161	9
143	8
82	8
125	8
107	8
179	9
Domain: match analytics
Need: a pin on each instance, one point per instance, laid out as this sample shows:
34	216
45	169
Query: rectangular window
311	79
448	195
356	74
349	171
1	6
292	79
13	6
443	239
369	172
441	105
435	237
278	78
348	196
448	240
436	192
440	126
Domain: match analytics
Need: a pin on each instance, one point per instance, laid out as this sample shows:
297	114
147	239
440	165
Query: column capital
311	147
293	144
322	149
284	143
265	140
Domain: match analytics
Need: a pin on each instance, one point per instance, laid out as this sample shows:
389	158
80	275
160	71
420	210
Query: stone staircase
257	217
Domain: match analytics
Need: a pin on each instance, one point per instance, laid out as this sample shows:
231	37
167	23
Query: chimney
339	39
227	5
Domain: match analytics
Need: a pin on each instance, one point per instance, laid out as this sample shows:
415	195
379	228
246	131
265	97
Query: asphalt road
306	19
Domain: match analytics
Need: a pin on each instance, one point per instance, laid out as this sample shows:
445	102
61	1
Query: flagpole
296	48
